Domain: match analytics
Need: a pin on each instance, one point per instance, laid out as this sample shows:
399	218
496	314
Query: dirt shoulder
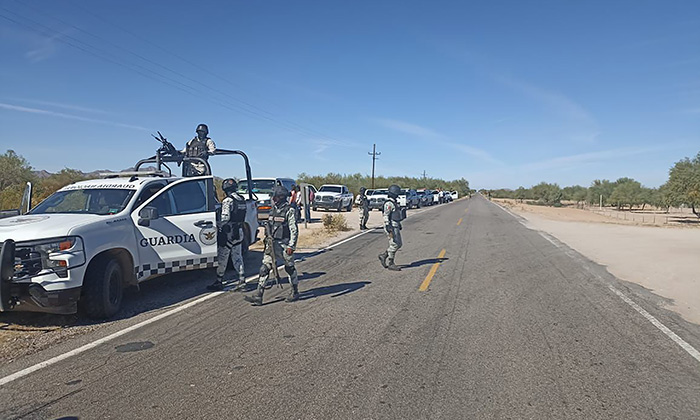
663	259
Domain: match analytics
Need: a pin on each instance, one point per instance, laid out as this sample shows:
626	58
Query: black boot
393	267
382	259
294	294
217	285
257	298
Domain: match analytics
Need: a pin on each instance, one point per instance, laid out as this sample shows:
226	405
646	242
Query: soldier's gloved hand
289	251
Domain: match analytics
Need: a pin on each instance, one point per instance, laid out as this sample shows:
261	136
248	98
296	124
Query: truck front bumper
29	296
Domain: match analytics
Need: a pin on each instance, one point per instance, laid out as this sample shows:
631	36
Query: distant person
364	208
200	146
393	215
230	235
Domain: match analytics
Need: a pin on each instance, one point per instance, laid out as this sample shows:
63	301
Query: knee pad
290	269
264	270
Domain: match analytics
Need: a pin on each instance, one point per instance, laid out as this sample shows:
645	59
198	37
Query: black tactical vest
277	221
398	214
197	148
238	209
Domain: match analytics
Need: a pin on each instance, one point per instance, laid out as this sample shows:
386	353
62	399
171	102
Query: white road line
673	336
649	317
64	356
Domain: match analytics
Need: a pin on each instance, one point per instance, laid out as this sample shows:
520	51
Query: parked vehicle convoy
409	198
333	197
262	188
377	199
86	242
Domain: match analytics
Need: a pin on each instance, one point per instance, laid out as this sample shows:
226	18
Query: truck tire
340	207
103	288
314	208
349	207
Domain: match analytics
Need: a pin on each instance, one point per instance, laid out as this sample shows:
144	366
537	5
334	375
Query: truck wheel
314	208
340	206
349	207
103	288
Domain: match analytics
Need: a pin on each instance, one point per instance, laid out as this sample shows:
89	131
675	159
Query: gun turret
166	148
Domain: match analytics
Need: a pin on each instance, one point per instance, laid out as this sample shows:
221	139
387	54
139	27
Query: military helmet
280	191
394	191
203	127
229	185
362	190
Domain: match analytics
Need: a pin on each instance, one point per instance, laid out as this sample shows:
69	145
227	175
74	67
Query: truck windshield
87	201
259	185
327	188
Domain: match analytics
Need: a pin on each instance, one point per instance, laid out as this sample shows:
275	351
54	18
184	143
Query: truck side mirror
146	215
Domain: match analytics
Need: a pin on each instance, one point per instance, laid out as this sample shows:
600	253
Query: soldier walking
200	146
393	215
364	208
281	233
230	236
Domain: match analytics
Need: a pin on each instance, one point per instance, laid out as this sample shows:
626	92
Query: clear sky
502	93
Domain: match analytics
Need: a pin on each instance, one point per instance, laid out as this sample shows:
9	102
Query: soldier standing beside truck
281	239
230	234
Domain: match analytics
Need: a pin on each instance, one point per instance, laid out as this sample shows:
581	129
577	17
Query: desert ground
661	257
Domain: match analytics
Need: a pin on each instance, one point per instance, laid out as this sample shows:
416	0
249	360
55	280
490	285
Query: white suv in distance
336	197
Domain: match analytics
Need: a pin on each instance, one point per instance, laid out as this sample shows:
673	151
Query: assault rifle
270	250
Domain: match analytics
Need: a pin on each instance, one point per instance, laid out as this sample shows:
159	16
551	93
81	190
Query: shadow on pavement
157	293
424	262
334	290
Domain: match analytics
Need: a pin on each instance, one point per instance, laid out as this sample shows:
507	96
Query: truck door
183	237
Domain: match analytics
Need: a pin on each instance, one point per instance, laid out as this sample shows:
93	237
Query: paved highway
487	319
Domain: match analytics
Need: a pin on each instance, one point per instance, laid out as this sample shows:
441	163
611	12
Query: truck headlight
56	254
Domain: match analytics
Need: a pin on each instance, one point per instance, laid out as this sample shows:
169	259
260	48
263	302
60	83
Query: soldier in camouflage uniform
393	215
230	236
364	208
201	146
282	227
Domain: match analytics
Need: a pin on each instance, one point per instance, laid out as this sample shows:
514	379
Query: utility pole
424	175
374	155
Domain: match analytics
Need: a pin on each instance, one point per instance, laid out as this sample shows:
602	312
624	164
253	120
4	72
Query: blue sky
502	93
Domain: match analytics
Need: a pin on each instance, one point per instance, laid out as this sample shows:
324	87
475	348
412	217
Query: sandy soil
662	259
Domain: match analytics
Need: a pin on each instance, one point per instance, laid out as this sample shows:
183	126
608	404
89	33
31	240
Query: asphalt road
511	325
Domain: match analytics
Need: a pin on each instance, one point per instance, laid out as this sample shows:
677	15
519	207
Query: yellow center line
424	286
459	222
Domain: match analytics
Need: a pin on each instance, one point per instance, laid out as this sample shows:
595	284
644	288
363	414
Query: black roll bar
160	160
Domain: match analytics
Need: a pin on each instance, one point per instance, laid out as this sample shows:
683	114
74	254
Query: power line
81	45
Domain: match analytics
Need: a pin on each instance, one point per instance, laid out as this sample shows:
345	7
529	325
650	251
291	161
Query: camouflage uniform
231	243
393	215
282	227
198	148
364	208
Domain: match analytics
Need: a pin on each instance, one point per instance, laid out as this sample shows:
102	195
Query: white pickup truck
336	197
88	241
